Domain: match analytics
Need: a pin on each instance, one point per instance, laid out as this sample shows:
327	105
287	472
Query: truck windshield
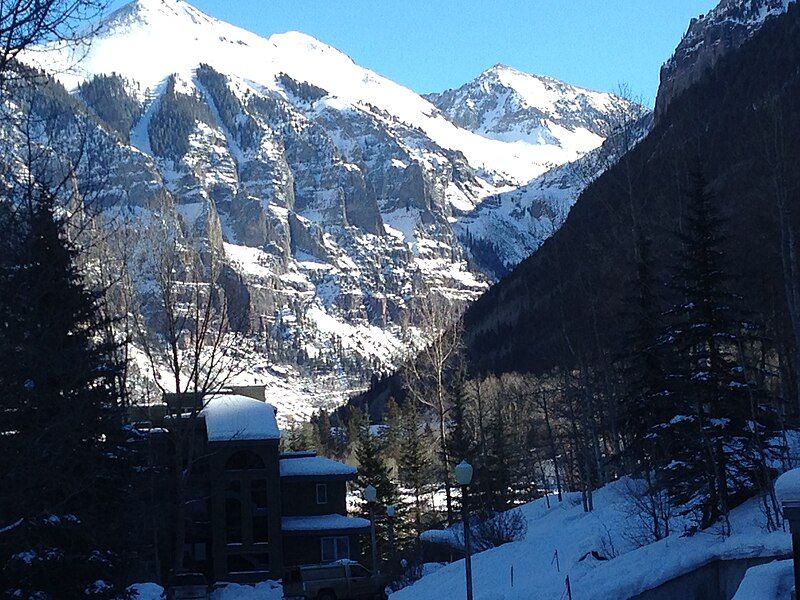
358	571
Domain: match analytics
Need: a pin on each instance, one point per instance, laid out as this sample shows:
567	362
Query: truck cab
341	580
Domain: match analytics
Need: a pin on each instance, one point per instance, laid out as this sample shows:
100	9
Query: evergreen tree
501	460
642	368
414	463
355	421
393	434
373	470
326	443
63	453
714	416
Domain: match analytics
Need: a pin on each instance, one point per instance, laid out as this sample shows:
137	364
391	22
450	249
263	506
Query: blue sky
432	45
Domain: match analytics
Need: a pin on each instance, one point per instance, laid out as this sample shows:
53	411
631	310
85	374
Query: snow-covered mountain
334	196
505	104
709	37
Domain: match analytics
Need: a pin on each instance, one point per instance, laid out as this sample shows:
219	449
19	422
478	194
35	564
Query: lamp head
370	493
463	473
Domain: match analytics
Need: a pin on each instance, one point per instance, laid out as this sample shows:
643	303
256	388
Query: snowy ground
610	531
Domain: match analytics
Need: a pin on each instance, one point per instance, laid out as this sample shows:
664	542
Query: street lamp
463	474
371	496
390	512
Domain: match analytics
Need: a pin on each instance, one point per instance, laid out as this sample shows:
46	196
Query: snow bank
234	417
323	523
146	591
612	532
772	581
445	537
266	590
314	466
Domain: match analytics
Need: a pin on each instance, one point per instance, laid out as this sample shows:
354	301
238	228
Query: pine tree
414	463
323	435
393	433
64	454
642	370
355	421
373	470
501	460
713	417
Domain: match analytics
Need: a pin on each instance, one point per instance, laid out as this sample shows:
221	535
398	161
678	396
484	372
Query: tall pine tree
374	470
415	465
712	418
63	452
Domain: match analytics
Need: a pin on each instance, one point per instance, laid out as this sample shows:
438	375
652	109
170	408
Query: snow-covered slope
335	197
709	37
625	567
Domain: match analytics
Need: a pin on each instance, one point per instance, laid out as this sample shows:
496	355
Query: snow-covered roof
310	466
231	417
323	523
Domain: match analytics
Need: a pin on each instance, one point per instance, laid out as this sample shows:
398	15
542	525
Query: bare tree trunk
551	442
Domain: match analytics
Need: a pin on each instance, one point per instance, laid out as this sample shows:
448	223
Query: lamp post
371	496
789	492
463	475
390	512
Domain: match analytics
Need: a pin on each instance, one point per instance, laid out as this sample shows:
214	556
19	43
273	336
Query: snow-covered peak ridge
509	105
148	40
539	91
168	17
710	36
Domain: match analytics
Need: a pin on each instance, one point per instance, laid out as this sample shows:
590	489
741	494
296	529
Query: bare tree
190	345
26	23
439	317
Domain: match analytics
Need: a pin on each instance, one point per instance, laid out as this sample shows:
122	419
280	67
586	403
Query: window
244	459
358	571
258	493
243	563
233	512
260	529
322	493
335	548
258	496
194	552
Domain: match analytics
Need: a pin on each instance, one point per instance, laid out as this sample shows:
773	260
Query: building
252	511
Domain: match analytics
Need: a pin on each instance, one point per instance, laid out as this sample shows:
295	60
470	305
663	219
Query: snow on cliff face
336	197
709	37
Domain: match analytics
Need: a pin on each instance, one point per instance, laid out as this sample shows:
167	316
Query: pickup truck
342	580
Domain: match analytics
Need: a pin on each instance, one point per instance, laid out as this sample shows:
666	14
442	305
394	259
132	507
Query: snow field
611	531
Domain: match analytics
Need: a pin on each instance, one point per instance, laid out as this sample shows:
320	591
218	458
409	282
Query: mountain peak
154	13
500	69
724	28
510	105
